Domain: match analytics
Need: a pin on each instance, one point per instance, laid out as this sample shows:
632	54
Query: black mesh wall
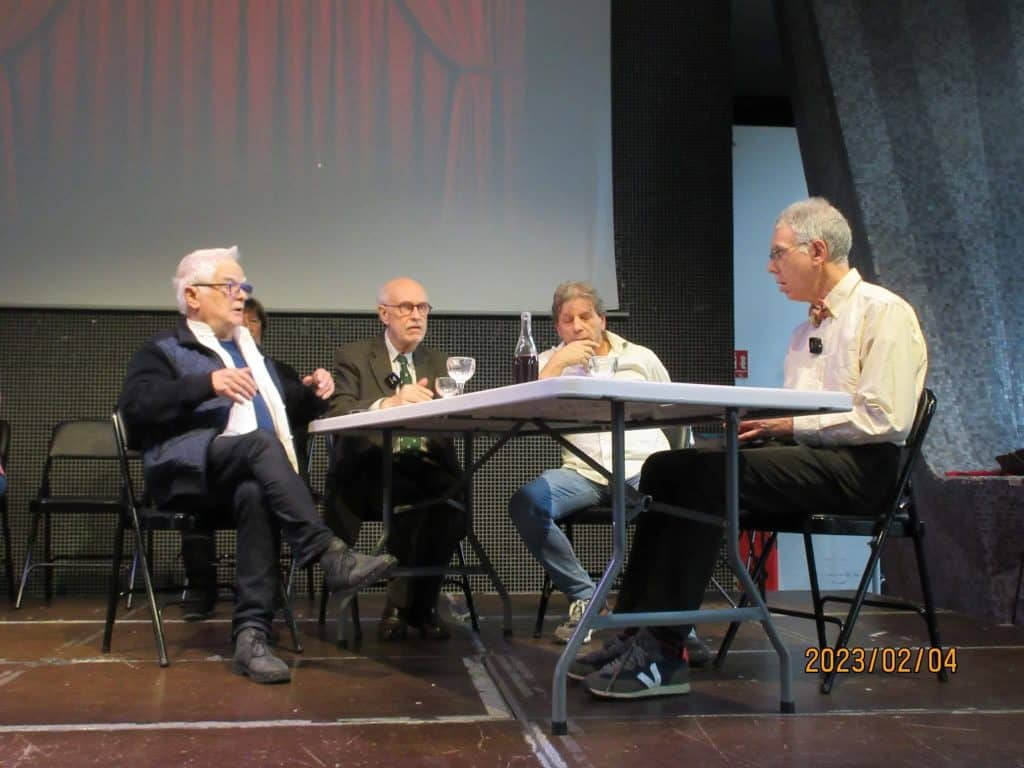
671	123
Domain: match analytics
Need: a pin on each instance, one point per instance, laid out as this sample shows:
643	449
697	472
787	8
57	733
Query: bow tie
817	312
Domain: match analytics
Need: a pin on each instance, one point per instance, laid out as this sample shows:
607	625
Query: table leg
732	504
559	724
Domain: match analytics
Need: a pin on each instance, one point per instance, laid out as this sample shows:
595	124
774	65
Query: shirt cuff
807	430
375	405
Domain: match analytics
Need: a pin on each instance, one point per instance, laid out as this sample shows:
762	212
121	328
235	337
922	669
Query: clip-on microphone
392	380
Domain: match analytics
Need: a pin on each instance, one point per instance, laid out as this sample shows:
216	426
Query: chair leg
467	591
926	592
542	607
284	590
154	609
730	634
857	603
27	566
48	556
133	572
115	579
8	562
324	597
812	577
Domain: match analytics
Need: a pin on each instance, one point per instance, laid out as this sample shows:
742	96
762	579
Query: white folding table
569	404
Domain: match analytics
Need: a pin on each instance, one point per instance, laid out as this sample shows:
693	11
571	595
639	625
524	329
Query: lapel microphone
814	346
392	380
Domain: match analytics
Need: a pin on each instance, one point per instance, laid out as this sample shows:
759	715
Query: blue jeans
536	509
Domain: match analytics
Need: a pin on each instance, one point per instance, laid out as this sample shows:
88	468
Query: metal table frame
566	405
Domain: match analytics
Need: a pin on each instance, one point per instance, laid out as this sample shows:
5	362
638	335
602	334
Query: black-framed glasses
232	287
406	307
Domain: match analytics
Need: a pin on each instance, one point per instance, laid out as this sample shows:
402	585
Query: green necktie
406	442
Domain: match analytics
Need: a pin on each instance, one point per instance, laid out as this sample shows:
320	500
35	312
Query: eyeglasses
775	254
406	307
232	288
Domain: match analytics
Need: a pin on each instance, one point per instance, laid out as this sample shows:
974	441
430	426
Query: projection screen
337	143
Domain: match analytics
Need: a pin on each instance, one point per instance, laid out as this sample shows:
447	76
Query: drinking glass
461	369
446	386
602	366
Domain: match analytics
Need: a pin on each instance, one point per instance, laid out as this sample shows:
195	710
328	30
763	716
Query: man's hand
409	393
766	429
236	383
574	353
321	382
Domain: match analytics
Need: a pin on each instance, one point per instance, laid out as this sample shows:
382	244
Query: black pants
671	561
251	475
423	537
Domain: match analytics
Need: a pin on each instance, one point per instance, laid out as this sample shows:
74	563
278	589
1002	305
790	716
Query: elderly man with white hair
207	412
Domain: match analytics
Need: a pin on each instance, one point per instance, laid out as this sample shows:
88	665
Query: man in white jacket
580	319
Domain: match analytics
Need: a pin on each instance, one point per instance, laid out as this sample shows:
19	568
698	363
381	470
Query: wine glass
461	369
446	386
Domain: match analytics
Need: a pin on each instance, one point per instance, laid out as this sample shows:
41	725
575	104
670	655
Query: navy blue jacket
172	412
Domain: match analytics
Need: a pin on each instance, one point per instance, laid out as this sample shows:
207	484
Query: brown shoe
393	626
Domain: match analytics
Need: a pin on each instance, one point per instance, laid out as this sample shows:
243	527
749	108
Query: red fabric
116	89
771	568
18	21
480	38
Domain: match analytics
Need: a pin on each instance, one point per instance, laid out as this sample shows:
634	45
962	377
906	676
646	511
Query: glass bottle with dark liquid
524	364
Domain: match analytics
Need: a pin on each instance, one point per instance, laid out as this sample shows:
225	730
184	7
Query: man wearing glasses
208	415
388	371
859	338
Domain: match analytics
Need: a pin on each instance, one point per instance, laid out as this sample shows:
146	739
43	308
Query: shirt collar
393	350
841	292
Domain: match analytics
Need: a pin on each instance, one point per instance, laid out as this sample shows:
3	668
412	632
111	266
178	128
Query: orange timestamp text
900	660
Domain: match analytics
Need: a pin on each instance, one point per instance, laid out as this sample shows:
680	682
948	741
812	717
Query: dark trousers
422	537
671	561
250	474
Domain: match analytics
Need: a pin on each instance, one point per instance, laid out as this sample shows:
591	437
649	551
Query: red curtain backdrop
17	23
116	88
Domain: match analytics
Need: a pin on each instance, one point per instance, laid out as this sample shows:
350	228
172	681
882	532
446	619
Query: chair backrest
912	448
5	442
82	440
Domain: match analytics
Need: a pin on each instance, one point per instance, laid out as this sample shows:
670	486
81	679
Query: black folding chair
142	520
74	446
898	518
5	528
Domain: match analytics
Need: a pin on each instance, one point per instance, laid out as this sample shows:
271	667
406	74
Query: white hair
817	219
199	267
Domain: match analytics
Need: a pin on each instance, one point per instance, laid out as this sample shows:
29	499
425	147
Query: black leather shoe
346	570
197	604
393	627
254	659
432	627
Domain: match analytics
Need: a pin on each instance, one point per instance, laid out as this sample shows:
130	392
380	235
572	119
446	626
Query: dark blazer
360	373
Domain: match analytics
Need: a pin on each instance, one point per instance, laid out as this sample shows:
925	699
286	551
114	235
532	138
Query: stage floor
483	700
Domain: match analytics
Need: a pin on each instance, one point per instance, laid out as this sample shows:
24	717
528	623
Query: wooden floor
483	700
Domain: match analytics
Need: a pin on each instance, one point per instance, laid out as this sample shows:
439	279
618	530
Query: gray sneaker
611	649
576	610
346	570
644	670
254	659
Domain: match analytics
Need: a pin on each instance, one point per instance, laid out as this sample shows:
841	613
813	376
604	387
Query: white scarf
242	419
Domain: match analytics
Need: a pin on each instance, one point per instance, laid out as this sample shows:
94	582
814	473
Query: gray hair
817	219
199	267
575	289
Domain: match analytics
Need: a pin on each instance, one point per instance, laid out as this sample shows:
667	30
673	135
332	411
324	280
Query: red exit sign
742	363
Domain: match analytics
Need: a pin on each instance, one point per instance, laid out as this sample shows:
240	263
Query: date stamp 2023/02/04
903	660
